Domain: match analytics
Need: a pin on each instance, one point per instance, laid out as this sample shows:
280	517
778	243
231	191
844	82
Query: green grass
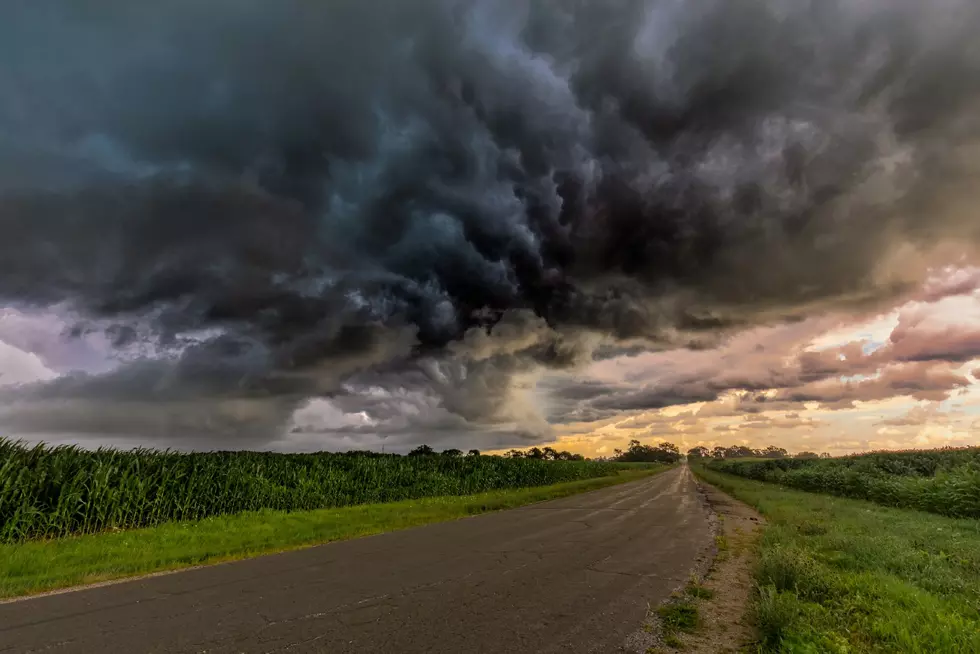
676	616
38	566
845	576
695	589
679	616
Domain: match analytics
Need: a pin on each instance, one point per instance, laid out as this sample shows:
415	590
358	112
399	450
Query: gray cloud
55	342
347	189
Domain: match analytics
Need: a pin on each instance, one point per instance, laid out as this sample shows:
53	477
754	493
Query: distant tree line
425	450
634	453
543	454
745	452
547	454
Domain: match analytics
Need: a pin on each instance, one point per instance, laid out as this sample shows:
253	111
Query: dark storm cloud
583	390
345	188
648	399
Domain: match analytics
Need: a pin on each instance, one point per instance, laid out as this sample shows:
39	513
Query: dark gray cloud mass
341	189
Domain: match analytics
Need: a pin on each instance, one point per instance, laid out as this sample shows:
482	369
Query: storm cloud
293	200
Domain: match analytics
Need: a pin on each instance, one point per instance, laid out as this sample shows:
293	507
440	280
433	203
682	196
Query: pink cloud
950	282
922	381
946	331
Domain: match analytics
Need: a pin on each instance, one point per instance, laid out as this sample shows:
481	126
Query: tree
515	454
739	452
807	455
699	452
422	450
719	452
452	452
773	452
825	455
473	453
534	453
663	453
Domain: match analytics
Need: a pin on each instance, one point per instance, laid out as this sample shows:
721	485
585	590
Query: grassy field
44	565
946	482
844	576
55	492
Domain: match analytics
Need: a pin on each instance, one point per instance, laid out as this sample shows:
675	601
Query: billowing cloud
754	362
945	331
19	367
445	200
59	342
922	381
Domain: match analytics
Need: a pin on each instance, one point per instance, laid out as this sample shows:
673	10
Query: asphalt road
569	575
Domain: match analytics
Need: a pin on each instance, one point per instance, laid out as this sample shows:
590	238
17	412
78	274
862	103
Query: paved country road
568	575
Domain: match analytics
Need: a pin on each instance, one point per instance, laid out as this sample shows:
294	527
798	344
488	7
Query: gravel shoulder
709	613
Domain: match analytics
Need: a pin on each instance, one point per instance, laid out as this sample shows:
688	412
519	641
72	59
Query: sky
475	224
902	378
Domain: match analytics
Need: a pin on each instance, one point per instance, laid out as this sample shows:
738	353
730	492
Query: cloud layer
416	208
905	378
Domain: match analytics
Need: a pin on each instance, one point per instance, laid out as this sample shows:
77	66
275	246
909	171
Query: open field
58	563
946	482
56	492
842	576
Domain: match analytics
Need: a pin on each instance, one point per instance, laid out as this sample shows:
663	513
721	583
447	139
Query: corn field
48	492
944	481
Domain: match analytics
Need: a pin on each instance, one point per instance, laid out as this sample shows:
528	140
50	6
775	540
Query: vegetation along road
575	574
844	576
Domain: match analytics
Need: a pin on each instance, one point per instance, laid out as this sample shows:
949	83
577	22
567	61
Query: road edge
712	611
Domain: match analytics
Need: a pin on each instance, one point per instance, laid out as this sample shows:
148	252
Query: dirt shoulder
710	614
